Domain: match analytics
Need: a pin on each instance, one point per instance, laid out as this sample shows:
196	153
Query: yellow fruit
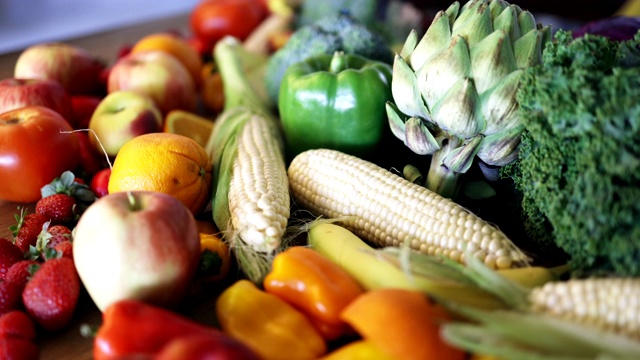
176	46
188	124
169	163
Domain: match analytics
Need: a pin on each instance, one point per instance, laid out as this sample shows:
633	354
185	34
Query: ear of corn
512	335
574	319
250	202
388	210
362	262
610	304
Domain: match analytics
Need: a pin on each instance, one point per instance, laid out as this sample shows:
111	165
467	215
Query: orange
176	46
169	163
402	323
191	125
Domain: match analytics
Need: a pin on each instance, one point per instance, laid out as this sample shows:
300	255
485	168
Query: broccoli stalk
339	32
579	161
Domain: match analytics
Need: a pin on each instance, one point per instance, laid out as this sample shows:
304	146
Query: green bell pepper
335	101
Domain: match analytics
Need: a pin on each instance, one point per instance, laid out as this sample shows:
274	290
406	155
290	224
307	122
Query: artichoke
454	90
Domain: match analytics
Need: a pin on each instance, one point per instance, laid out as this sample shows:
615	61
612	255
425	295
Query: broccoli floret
362	10
579	161
340	32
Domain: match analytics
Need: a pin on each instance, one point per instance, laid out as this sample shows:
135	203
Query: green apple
138	245
121	116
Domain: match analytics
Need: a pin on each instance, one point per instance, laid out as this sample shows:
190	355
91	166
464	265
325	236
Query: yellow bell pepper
268	325
357	350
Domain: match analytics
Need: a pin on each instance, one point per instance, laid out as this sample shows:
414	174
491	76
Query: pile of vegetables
557	116
340	257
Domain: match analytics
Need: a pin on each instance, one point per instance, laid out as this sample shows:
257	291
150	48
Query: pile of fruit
268	141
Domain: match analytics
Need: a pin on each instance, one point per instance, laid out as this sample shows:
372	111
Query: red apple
82	108
157	74
75	68
136	245
121	116
17	93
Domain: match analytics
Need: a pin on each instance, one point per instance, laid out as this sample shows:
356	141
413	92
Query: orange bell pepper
402	323
212	92
267	324
320	288
215	258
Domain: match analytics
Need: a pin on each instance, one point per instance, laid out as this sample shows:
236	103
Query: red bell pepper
135	329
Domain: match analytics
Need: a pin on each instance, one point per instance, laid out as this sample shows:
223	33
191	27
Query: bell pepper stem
338	62
441	179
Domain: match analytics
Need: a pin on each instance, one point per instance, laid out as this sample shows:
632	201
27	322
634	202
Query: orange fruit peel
169	163
188	124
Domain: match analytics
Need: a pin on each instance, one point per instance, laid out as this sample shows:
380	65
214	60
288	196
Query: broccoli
362	10
340	32
579	161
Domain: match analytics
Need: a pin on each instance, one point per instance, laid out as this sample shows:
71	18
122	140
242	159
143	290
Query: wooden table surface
69	343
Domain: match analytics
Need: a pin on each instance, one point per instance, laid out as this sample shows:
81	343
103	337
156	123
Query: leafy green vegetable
579	161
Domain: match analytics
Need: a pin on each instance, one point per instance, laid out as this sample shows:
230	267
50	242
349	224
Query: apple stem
133	202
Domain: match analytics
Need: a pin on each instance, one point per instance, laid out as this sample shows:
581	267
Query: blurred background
26	22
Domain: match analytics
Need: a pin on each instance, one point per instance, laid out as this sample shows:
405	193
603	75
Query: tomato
34	150
211	20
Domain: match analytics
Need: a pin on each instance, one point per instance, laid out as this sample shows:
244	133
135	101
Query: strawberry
59	208
49	238
9	297
64	249
9	255
68	184
17	324
27	229
51	295
18	349
20	272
